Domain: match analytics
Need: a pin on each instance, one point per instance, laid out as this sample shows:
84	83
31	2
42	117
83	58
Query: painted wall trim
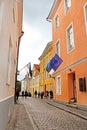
72	65
2	100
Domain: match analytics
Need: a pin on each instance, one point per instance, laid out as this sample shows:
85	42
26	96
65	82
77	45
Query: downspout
17	65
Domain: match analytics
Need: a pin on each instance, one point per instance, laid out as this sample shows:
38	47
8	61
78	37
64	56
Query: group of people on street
26	94
23	94
42	94
39	94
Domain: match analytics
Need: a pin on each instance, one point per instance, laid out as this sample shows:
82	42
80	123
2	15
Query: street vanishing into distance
47	117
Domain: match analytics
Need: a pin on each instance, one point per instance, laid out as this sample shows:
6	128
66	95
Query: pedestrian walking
26	94
51	94
35	93
22	94
42	94
17	94
38	94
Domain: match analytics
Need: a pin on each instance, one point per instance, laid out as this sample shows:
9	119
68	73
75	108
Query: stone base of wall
83	107
6	107
74	104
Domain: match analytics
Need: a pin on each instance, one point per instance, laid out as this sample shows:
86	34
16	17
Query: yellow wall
44	76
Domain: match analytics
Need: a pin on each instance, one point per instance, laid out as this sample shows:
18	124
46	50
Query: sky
37	31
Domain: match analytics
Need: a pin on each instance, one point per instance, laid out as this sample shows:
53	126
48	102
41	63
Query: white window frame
13	10
58	47
1	13
70	38
67	5
58	85
56	21
85	16
9	62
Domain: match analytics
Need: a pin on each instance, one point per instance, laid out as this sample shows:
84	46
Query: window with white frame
58	85
9	62
67	5
70	38
85	13
1	13
56	21
14	5
58	48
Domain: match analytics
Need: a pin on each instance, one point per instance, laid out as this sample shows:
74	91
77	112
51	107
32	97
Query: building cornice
46	50
53	10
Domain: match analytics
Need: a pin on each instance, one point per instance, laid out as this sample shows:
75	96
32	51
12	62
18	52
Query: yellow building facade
46	82
33	83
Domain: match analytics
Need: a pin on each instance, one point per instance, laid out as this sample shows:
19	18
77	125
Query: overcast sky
37	31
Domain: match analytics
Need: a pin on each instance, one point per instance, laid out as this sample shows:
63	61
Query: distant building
23	84
46	82
10	34
69	32
35	78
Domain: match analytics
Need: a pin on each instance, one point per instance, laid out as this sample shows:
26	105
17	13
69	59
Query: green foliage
18	85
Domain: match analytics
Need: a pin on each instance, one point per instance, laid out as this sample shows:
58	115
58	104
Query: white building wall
8	39
23	85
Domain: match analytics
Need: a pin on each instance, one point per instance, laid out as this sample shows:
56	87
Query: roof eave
49	18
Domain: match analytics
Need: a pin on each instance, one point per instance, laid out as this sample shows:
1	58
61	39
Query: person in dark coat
42	94
51	94
22	93
17	94
26	94
35	93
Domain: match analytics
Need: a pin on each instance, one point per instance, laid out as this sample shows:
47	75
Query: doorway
72	87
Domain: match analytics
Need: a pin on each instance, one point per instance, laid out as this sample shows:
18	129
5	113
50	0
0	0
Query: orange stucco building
69	35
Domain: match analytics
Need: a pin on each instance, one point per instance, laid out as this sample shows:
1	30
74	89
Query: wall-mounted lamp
52	77
70	69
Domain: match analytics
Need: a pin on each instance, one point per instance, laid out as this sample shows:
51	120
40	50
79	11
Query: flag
48	68
54	63
29	70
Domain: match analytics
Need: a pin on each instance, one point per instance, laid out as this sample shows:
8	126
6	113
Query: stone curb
67	110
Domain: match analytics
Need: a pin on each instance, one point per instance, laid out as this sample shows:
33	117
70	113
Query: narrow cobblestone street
47	117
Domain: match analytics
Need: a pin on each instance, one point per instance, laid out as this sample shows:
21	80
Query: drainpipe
17	65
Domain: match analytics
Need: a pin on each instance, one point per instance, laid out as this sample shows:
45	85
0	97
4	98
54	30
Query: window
56	22
9	62
1	13
13	16
67	5
14	11
85	13
82	84
58	48
58	85
70	38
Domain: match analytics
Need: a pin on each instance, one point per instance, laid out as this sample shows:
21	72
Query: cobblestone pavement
19	120
69	108
47	117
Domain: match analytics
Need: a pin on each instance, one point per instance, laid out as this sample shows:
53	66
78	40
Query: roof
36	66
49	44
53	9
